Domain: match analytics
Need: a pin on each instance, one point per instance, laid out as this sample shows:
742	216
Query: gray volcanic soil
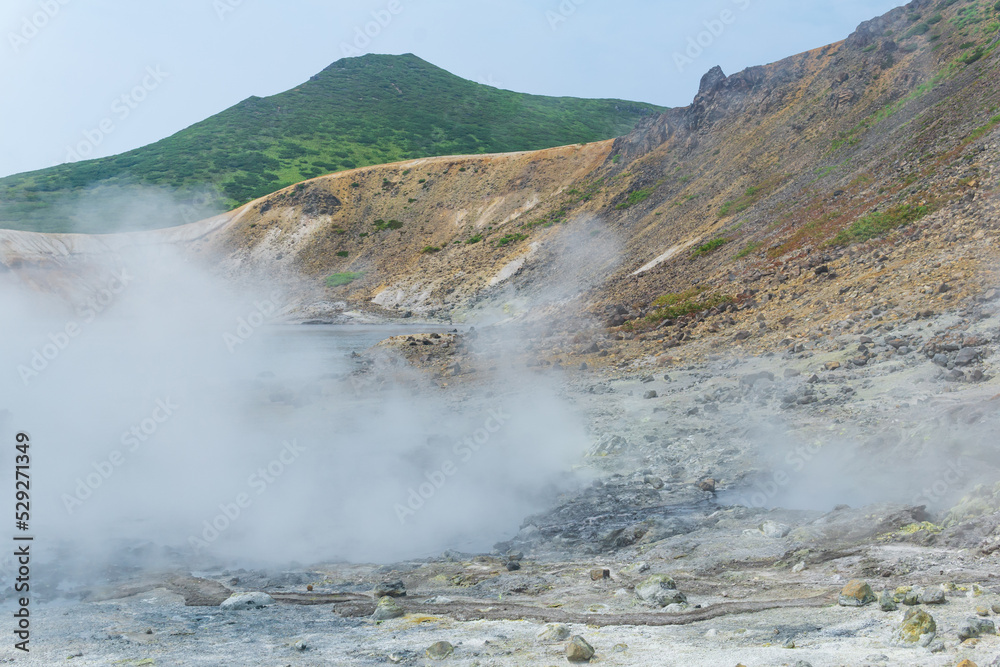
884	472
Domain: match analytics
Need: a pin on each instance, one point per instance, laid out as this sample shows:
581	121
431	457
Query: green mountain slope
357	112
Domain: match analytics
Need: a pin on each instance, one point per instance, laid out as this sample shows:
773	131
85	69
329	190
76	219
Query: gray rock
653	481
774	530
553	632
395	589
975	626
239	601
933	596
660	590
966	356
439	650
578	650
386	609
753	378
649	394
886	602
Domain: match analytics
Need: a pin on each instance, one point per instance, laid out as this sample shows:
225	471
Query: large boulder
856	593
918	627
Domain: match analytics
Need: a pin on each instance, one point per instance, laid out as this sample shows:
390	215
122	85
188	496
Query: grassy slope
357	112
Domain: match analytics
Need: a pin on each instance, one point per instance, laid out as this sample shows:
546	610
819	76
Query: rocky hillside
856	176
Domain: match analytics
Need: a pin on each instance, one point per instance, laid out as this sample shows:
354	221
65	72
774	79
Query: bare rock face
712	79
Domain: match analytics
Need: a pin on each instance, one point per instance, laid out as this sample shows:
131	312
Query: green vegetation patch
635	197
507	239
708	248
340	279
373	109
382	225
983	130
880	223
430	249
689	302
749	249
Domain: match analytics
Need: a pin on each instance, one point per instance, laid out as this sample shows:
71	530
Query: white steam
166	408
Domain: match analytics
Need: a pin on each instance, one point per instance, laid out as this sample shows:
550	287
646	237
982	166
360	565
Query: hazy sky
65	65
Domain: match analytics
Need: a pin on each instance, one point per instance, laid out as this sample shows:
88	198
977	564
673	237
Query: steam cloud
168	409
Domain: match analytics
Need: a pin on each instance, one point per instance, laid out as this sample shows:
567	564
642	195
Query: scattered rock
649	394
395	589
753	378
975	626
386	609
578	650
886	601
918	627
247	601
660	590
774	530
439	650
933	596
707	485
966	356
653	481
856	593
